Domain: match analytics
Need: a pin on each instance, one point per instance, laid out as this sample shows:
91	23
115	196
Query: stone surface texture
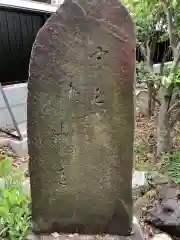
81	120
165	214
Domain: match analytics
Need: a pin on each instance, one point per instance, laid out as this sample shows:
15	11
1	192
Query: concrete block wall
17	98
156	67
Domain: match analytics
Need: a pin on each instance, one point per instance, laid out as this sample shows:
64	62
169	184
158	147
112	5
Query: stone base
136	235
19	147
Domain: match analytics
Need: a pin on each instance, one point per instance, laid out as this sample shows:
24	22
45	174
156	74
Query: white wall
56	2
156	67
17	98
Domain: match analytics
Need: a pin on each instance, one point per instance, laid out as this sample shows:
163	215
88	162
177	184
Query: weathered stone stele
81	120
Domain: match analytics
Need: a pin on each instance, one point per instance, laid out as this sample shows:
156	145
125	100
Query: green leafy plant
141	148
14	211
141	159
158	21
141	73
172	166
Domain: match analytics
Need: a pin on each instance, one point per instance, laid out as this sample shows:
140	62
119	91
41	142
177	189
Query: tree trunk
150	83
164	139
151	102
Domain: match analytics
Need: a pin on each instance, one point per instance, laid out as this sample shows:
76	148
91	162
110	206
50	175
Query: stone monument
81	120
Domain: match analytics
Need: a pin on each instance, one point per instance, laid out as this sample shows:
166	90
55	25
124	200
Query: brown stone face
81	120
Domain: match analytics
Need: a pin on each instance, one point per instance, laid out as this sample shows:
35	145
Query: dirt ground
145	141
